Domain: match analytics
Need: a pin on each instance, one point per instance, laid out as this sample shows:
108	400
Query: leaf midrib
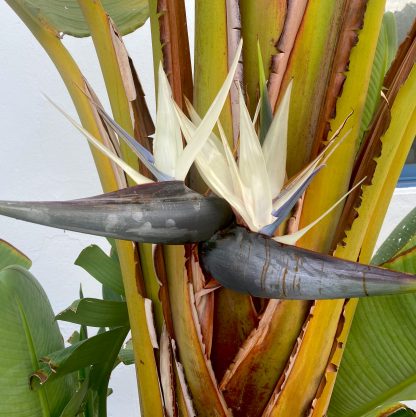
383	399
43	400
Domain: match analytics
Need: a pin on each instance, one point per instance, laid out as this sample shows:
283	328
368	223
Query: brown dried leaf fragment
159	264
353	18
108	136
143	123
167	374
294	16
175	48
184	400
123	61
204	302
191	350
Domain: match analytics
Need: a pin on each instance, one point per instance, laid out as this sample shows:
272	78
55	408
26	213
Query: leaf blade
102	267
378	323
81	354
28	330
208	122
128	15
9	255
275	144
96	313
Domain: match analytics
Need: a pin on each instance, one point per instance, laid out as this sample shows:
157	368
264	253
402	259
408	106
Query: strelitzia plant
253	188
256	175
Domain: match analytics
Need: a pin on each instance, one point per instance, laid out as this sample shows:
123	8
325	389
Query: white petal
167	144
257	112
224	189
214	168
208	122
275	145
253	171
294	237
238	187
212	155
295	182
189	128
232	164
195	117
142	153
293	185
196	120
134	175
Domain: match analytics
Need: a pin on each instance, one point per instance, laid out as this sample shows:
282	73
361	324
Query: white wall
403	201
44	158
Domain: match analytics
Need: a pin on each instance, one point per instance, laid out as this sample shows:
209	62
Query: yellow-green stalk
262	21
74	81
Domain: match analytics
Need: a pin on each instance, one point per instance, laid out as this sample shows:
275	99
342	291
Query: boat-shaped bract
256	264
165	212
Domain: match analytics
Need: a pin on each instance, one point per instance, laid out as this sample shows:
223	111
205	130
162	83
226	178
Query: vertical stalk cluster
220	352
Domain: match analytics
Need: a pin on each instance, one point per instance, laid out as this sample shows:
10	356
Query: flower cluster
255	186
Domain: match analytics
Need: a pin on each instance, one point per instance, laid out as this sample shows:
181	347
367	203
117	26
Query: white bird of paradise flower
254	186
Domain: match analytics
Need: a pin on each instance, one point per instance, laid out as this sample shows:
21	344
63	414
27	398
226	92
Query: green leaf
379	364
96	313
94	388
100	372
266	113
126	354
83	331
390	26
28	330
76	402
385	52
9	255
102	267
92	393
404	232
401	412
66	17
80	355
74	338
404	261
110	295
395	410
107	292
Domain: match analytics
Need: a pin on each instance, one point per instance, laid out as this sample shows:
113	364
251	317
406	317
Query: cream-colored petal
238	187
275	145
213	167
232	164
204	129
296	181
253	172
167	144
294	237
257	112
196	120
